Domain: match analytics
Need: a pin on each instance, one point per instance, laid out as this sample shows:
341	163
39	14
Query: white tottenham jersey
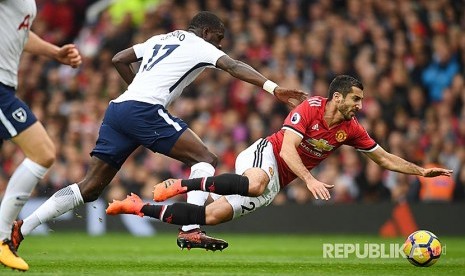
16	17
170	62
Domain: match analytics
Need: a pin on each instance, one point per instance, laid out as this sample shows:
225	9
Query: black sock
224	184
177	213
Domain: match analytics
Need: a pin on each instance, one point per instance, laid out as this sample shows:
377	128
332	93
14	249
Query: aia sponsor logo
25	24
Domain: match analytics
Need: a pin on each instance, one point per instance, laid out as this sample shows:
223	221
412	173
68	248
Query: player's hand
319	189
69	55
433	172
291	97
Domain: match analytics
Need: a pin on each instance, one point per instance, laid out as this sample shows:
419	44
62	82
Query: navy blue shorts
130	124
15	115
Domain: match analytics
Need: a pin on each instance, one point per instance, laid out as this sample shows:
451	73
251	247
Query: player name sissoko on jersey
177	34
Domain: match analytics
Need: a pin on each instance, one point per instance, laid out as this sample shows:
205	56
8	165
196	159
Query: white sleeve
139	49
210	54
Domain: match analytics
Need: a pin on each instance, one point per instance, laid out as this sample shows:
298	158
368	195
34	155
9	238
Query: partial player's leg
221	210
33	141
180	214
111	150
225	184
243	205
217	211
190	149
201	169
177	141
98	177
184	145
21	126
258	164
257	167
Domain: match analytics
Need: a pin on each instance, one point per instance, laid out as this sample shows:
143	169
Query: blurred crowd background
410	56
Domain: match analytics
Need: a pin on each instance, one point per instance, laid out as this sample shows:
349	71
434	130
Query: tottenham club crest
295	119
20	115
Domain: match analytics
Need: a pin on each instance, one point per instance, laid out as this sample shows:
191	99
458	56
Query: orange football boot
167	189
132	205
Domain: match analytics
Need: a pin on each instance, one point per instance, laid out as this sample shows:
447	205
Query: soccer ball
422	248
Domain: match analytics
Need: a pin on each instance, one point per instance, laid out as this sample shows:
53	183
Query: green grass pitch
122	254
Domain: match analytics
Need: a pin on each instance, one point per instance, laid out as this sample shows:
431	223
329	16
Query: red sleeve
360	138
299	118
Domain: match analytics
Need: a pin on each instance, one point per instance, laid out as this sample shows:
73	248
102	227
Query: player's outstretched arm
290	155
67	54
395	163
245	72
433	172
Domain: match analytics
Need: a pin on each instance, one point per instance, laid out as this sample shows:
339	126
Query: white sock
20	187
59	203
201	169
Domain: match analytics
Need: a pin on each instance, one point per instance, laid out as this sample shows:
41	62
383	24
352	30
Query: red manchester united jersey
318	140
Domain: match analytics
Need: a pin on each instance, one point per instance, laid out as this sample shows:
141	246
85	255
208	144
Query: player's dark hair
343	84
206	19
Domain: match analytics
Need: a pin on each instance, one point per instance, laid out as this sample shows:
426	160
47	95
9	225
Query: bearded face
349	105
346	110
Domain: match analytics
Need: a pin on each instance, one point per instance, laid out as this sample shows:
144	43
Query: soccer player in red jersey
311	132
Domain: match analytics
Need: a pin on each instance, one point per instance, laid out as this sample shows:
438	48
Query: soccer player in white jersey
17	122
138	117
310	133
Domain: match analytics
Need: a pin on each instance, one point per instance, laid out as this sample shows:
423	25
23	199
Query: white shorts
258	155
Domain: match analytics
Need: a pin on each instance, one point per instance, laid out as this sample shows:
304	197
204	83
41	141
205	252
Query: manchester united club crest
341	136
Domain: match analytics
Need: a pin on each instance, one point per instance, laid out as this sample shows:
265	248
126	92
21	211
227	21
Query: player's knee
201	156
256	189
209	158
44	156
49	158
218	212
